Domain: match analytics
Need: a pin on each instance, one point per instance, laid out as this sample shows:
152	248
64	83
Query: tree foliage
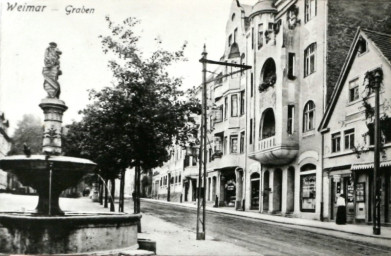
133	122
29	131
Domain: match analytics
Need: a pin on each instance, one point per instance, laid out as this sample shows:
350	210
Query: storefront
308	188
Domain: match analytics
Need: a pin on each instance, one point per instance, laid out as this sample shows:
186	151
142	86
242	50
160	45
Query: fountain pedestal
53	110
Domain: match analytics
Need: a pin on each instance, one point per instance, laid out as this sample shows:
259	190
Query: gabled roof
380	41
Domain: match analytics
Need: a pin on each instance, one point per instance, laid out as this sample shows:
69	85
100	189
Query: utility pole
203	154
378	76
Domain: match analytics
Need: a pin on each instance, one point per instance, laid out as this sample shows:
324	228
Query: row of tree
132	123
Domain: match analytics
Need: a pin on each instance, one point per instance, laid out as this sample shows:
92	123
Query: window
225	144
362	46
353	90
225	107
260	36
210	155
186	161
309	59
336	142
269	33
233	16
242	142
234	144
291	114
349	139
234	105
180	178
291	66
218	144
309	116
252	38
308	193
218	114
251	131
252	84
235	34
242	102
310	9
230	40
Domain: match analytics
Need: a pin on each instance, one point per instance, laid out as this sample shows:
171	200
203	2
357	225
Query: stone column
53	110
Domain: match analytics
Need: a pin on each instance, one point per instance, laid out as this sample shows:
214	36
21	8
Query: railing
267	143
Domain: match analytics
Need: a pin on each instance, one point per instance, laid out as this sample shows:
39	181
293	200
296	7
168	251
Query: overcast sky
25	36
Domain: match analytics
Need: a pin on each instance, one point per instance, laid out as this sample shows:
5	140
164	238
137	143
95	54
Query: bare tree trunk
101	191
121	192
134	193
106	193
112	208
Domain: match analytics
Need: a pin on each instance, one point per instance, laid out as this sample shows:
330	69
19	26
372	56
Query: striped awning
365	166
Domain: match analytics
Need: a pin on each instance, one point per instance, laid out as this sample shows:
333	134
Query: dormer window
362	46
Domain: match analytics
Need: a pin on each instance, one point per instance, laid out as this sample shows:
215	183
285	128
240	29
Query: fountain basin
44	173
25	233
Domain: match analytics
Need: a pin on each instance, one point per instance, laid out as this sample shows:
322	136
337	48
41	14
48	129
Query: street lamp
203	151
377	77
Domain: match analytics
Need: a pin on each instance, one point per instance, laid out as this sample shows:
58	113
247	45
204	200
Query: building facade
265	152
349	134
5	147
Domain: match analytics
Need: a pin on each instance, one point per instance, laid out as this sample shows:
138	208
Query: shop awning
365	166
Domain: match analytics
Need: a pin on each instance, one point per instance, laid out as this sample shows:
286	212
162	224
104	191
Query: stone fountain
48	229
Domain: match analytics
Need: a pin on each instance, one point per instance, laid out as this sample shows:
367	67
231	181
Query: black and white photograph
207	127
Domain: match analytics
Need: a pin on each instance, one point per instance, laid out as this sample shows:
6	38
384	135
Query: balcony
191	171
270	152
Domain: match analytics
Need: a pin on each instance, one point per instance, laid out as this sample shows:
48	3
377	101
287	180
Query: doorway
255	183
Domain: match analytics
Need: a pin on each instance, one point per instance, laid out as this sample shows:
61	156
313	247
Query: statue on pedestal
51	71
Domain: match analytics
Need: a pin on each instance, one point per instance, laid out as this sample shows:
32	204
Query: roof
380	41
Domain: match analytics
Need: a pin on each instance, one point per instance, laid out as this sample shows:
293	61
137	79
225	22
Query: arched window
268	75
268	124
309	116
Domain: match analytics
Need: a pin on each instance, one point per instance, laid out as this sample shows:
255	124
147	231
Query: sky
24	36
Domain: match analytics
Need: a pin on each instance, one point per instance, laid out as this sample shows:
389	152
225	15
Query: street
263	237
173	228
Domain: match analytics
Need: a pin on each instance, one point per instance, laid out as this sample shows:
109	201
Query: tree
29	132
134	122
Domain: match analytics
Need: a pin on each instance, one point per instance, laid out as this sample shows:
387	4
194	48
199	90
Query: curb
272	221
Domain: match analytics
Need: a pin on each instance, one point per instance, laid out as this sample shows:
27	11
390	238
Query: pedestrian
341	210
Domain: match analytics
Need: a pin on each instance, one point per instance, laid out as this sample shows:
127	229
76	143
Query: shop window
336	142
234	105
349	139
309	116
308	193
353	90
291	115
234	144
260	36
242	142
291	65
309	59
242	102
251	131
310	9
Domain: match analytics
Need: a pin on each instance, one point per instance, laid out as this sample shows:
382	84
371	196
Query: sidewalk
349	231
